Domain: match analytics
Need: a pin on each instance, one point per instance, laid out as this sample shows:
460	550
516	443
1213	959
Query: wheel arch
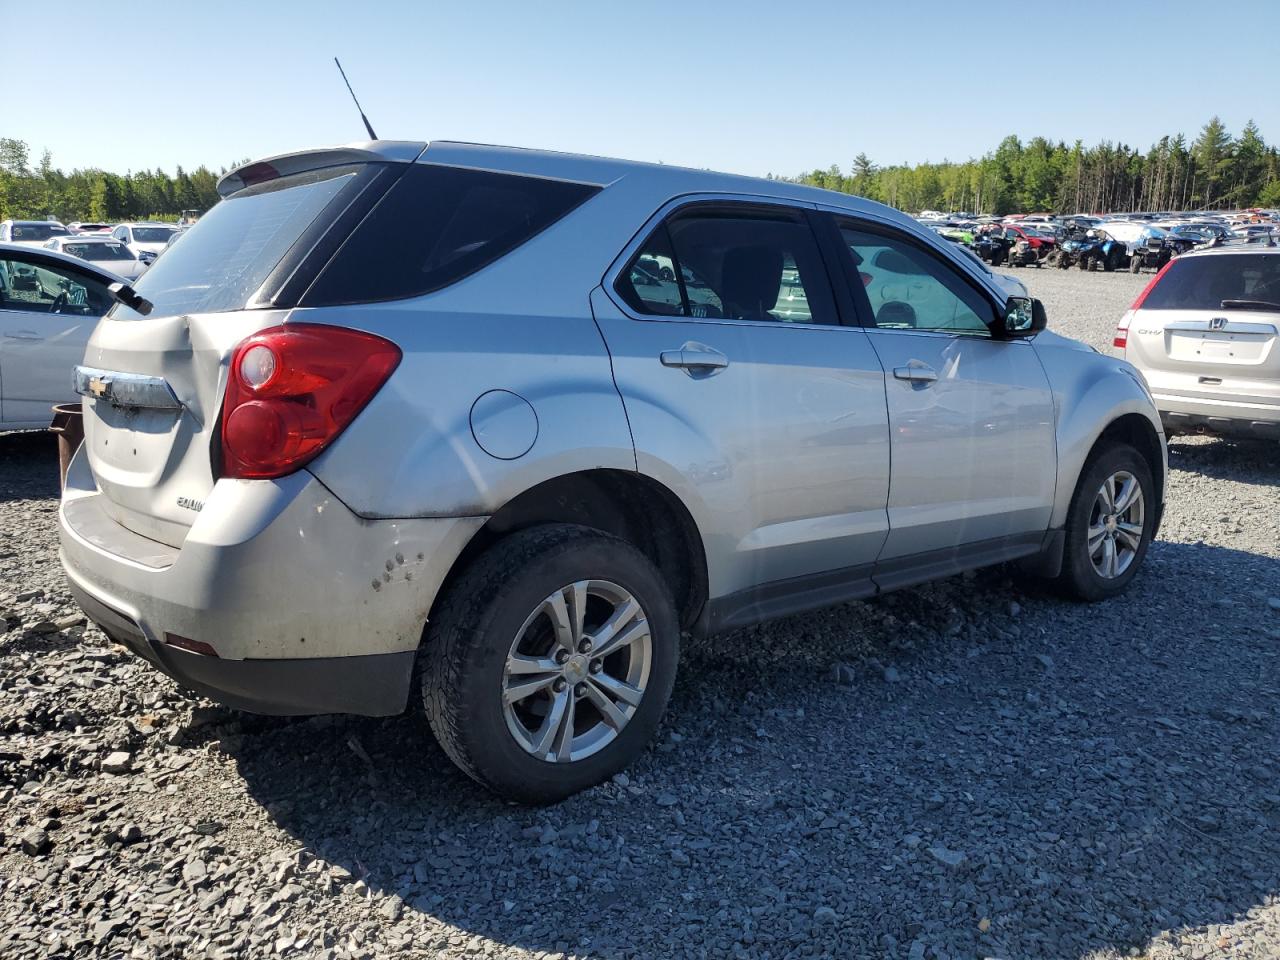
627	504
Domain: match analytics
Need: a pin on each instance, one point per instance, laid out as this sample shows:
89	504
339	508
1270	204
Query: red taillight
291	391
1152	285
1121	338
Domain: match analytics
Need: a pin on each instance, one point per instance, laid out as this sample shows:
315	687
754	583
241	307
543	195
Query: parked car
31	233
440	442
101	250
145	239
1091	250
77	226
1206	335
49	304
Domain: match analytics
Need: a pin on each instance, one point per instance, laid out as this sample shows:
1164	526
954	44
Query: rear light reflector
1152	285
191	646
1121	338
293	390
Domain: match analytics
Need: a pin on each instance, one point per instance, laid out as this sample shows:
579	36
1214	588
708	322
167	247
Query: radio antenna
367	126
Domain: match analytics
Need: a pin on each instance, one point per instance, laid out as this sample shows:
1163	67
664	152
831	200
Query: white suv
1206	335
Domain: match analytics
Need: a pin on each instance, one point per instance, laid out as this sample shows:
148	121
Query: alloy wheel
1116	523
576	671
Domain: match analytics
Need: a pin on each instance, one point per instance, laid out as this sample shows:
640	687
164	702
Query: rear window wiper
1251	305
123	293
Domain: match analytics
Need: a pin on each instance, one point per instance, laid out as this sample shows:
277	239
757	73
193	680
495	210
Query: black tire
1078	579
1063	262
1109	263
462	663
1084	262
1135	264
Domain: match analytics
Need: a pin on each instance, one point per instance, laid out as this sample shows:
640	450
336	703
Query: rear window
98	251
1203	282
437	225
31	232
226	256
152	234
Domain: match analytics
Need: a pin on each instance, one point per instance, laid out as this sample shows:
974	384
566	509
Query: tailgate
152	453
1197	353
153	378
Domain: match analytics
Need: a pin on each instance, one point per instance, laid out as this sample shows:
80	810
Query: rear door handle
695	358
22	335
916	373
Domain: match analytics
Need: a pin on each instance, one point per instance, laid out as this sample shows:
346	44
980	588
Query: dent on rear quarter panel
1090	392
411	452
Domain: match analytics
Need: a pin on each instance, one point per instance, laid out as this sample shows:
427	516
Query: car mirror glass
1024	317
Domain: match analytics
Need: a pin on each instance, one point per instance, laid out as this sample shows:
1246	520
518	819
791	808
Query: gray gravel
970	769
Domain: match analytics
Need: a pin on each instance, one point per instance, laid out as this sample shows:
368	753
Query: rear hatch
1209	326
153	383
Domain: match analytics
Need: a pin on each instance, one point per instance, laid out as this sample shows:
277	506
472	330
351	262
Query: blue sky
749	87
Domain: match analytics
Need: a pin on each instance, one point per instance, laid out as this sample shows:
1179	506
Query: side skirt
783	598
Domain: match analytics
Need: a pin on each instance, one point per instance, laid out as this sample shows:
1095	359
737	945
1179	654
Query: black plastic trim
782	598
371	685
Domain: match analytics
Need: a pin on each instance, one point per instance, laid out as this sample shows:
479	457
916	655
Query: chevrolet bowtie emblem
98	386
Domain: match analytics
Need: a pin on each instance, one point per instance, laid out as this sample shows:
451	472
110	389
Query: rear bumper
1228	418
375	685
302	606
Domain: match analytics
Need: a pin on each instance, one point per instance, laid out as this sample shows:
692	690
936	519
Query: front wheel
1135	264
1109	524
549	662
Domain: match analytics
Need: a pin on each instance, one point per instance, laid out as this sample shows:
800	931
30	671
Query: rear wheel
1135	264
549	663
1109	524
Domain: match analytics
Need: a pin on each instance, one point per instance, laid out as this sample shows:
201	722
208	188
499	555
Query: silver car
1205	333
494	428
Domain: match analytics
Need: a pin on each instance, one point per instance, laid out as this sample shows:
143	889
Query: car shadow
28	465
1255	462
983	769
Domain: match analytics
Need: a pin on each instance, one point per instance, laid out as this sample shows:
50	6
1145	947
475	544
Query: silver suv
1206	335
493	428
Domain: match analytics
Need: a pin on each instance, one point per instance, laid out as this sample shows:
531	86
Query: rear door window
1204	282
437	225
731	263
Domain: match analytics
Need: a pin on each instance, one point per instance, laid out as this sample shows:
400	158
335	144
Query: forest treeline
33	191
1215	171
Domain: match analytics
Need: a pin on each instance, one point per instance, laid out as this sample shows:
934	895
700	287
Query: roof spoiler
285	164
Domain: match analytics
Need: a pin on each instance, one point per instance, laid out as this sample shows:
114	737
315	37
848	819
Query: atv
993	248
1090	250
1023	254
1152	252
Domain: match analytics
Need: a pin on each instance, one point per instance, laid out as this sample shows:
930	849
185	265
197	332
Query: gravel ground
970	769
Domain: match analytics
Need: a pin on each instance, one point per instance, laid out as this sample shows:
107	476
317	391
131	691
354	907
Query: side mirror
1024	317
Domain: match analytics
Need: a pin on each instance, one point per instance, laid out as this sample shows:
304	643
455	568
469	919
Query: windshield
98	251
1201	282
152	234
37	231
225	257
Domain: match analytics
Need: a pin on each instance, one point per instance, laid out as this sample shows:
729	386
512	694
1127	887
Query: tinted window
152	234
908	288
31	232
37	288
437	225
98	251
728	264
1203	282
227	255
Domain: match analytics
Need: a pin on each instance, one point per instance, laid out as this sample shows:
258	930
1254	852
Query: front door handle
696	358
916	372
22	335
